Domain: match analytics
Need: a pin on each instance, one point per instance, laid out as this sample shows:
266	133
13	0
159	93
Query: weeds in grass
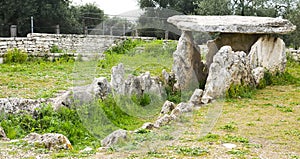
240	91
45	120
238	152
190	151
283	108
210	138
156	154
15	56
230	127
230	138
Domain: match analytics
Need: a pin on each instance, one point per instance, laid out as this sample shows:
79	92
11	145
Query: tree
293	14
214	7
47	14
116	26
16	12
182	6
91	15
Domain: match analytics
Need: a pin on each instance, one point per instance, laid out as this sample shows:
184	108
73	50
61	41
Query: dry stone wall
295	54
72	43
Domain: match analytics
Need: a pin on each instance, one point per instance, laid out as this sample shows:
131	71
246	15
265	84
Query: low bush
46	120
55	49
15	56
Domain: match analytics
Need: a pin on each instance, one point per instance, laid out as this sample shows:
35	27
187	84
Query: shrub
15	56
46	120
55	49
240	91
124	47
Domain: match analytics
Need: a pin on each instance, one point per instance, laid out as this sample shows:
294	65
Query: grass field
264	125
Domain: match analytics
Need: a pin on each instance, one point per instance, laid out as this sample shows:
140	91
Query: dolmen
245	48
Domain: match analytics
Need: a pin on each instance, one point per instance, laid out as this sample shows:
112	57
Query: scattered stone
181	108
134	84
148	126
3	135
196	97
114	138
163	120
229	146
268	52
232	24
65	99
167	108
184	107
20	105
50	141
145	127
86	150
187	66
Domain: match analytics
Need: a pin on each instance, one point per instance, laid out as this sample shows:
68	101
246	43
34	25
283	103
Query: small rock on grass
50	141
229	146
113	138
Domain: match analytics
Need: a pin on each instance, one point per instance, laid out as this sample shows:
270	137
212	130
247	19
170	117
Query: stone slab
232	24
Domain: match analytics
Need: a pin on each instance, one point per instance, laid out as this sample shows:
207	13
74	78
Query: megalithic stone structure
245	45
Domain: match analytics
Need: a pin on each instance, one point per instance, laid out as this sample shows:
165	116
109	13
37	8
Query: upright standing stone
187	66
269	53
117	79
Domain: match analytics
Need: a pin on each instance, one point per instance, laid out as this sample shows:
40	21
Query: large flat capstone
232	24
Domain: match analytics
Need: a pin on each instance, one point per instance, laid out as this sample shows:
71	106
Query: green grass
35	79
266	123
88	124
64	121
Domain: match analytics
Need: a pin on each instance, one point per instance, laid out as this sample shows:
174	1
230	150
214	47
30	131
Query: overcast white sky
112	7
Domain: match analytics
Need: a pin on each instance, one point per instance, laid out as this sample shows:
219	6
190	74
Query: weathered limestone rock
163	120
134	84
269	53
167	107
258	74
148	126
212	51
3	135
238	42
232	24
50	141
117	79
180	109
228	68
20	105
187	66
196	97
184	107
99	88
113	138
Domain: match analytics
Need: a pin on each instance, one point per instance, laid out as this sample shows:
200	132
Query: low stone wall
295	54
71	43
